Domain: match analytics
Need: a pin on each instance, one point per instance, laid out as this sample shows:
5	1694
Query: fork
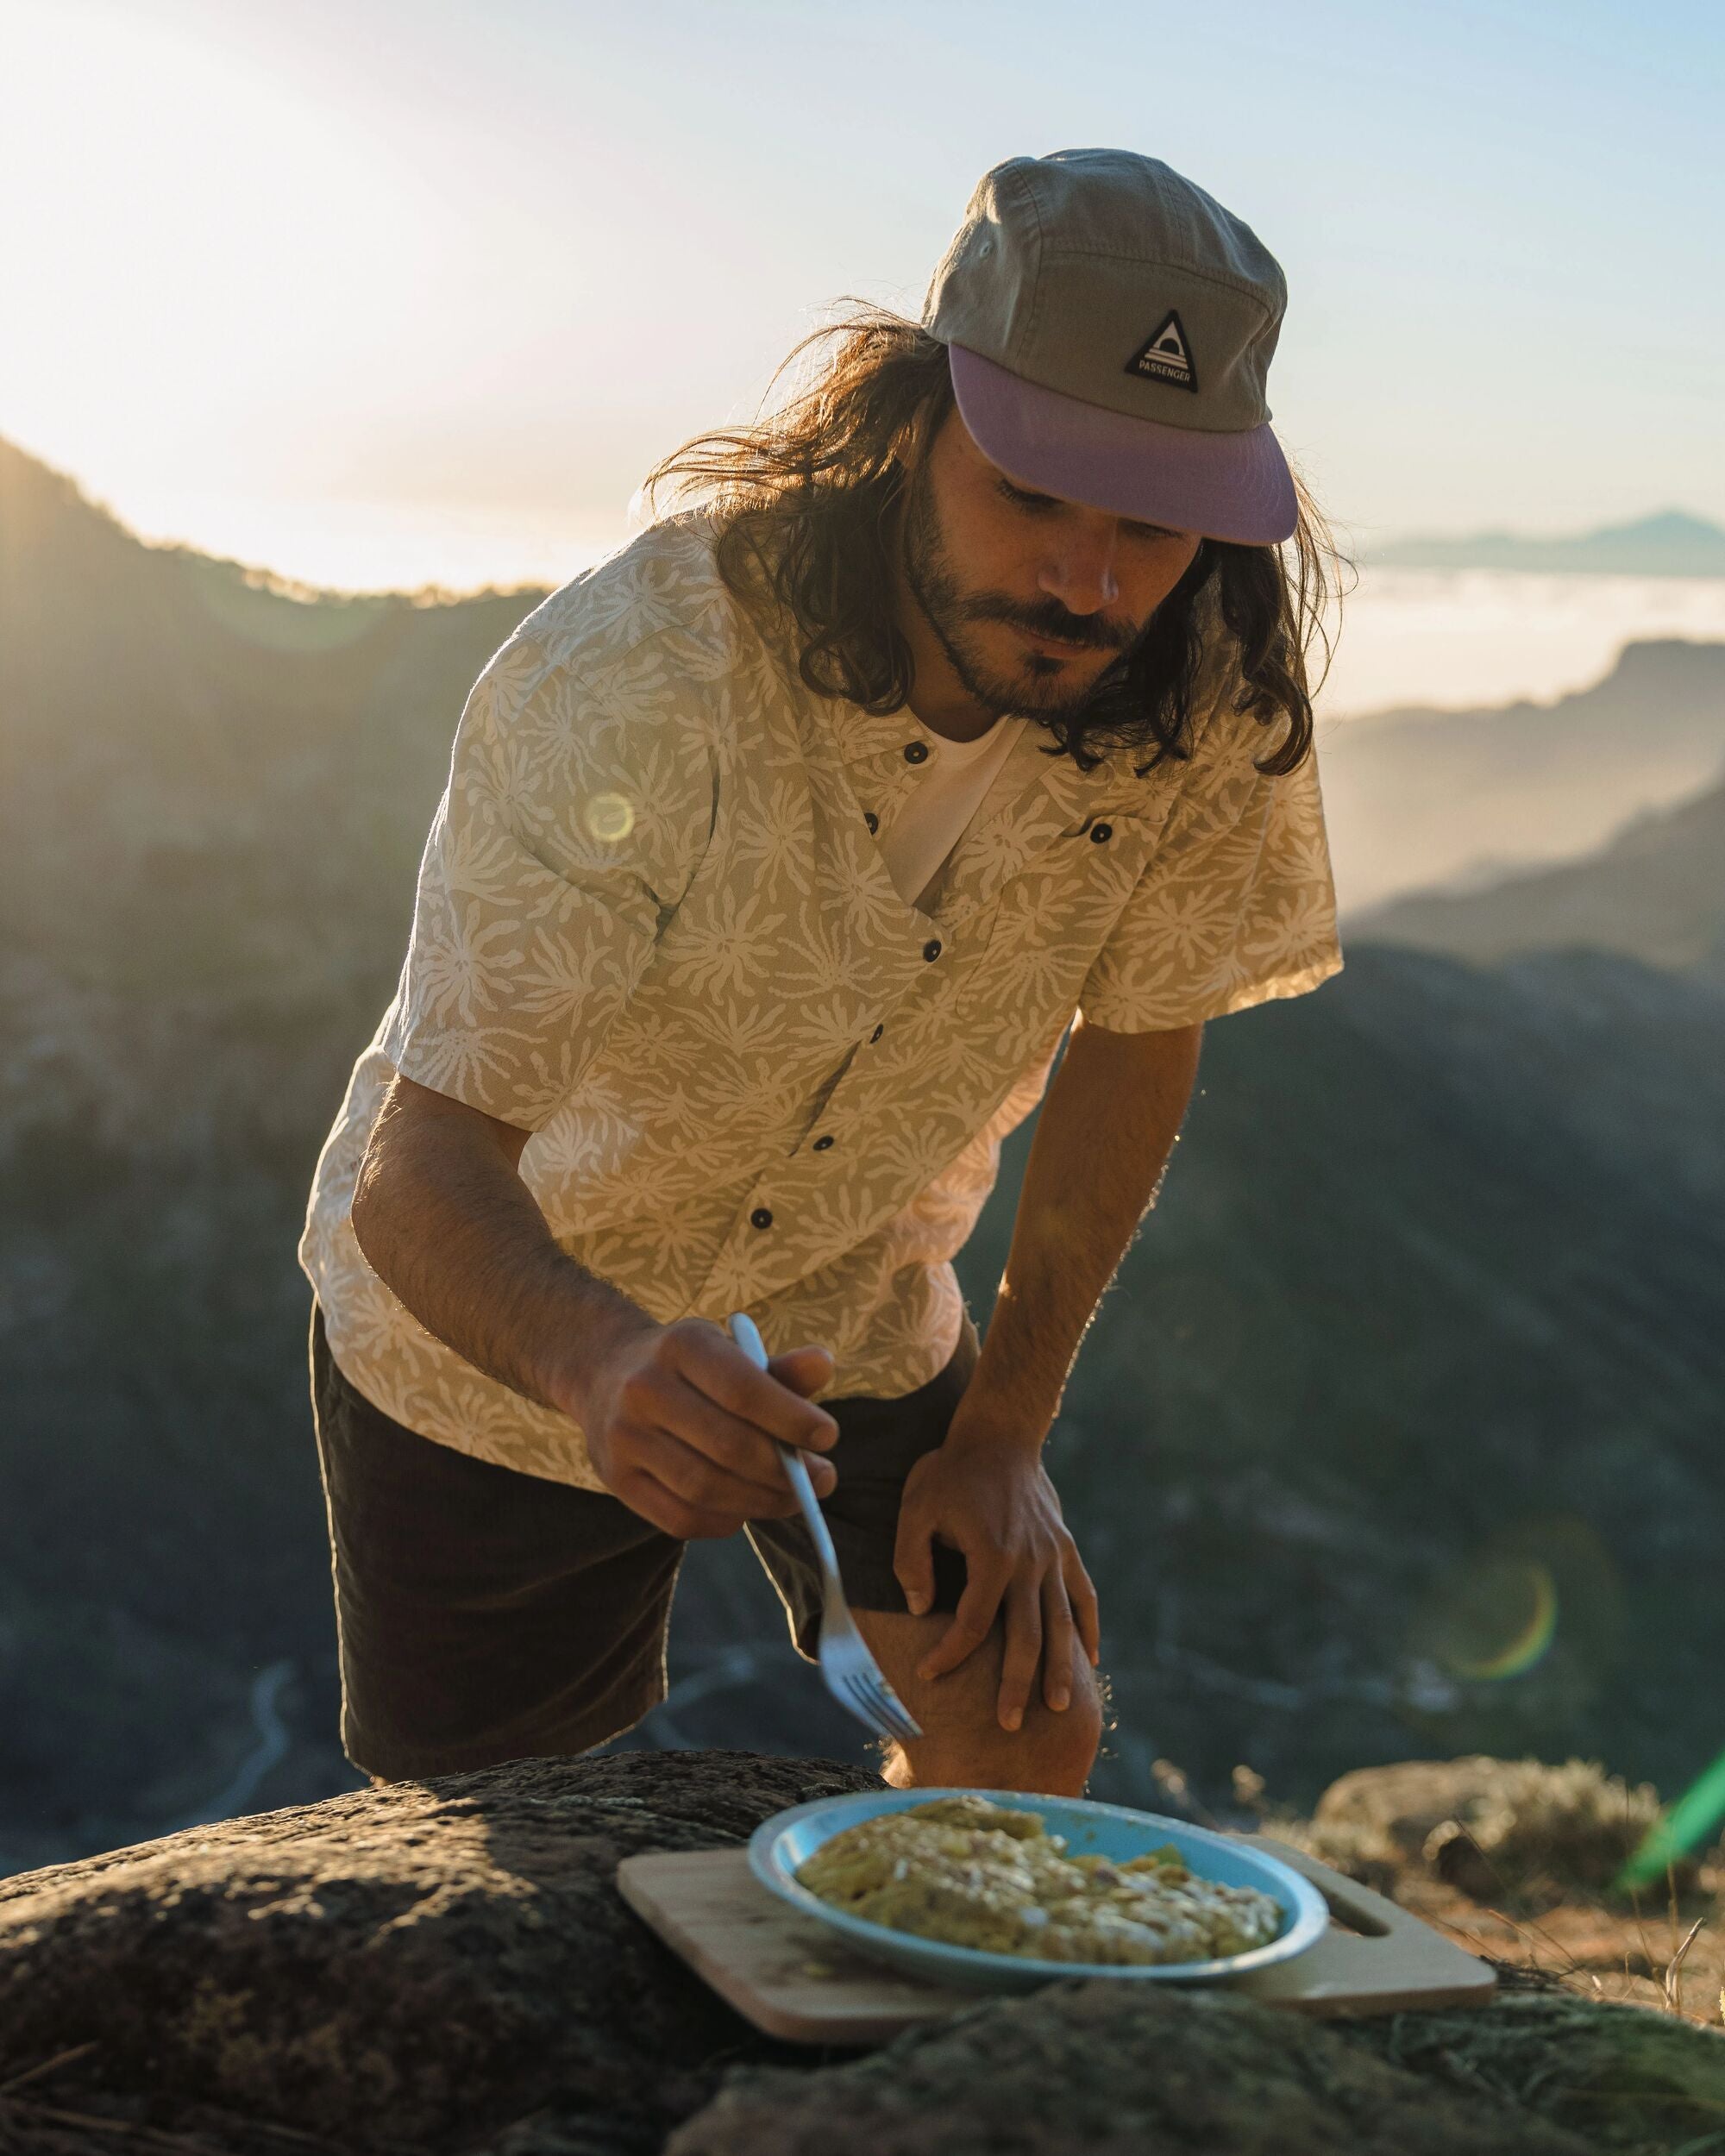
850	1671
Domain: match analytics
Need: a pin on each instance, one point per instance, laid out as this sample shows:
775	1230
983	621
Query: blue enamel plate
779	1844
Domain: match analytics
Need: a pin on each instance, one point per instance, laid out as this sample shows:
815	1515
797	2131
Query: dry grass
1524	1873
1672	1959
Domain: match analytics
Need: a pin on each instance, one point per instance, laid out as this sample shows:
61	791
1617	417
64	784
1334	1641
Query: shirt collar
858	736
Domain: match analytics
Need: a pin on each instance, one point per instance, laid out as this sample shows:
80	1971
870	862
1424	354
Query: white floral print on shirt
654	928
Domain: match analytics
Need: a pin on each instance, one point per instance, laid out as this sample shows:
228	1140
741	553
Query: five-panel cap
1109	328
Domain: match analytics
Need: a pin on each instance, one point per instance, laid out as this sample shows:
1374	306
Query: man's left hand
985	1492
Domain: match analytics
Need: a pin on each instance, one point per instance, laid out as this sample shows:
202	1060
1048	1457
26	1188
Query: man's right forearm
446	1222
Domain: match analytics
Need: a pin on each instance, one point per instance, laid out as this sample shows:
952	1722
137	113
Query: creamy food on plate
971	1873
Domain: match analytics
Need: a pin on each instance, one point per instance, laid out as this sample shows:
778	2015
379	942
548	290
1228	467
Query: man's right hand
682	1427
680	1423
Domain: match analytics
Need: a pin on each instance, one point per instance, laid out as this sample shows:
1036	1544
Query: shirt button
877	1032
821	1144
761	1217
932	948
916	752
1100	831
871	819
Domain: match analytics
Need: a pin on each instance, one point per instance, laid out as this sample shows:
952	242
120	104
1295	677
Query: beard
1035	685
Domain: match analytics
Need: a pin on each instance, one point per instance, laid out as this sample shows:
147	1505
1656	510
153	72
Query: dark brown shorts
486	1615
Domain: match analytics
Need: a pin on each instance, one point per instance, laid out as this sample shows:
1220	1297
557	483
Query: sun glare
194	252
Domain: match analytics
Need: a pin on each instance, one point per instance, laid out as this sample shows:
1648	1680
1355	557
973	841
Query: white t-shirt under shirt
950	790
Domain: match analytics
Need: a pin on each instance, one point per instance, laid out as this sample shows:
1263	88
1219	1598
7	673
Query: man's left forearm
1107	1127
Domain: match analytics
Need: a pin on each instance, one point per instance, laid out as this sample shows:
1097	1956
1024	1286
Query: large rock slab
1113	2071
445	1968
405	1968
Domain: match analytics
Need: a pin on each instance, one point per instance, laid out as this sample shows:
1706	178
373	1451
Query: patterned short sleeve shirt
654	928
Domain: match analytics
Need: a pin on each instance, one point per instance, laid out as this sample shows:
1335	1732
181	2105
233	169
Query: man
778	854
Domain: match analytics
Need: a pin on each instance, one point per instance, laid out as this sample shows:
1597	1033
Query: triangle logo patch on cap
1165	356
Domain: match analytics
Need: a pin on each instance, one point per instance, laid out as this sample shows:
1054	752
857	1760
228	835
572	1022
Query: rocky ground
447	1967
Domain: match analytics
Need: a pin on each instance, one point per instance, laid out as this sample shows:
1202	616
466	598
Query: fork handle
747	1335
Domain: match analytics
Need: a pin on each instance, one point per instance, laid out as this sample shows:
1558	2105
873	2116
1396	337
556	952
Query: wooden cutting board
794	1979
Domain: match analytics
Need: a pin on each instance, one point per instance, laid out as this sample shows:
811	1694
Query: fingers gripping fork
850	1672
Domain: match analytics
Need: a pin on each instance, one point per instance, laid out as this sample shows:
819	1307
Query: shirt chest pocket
1057	909
1096	860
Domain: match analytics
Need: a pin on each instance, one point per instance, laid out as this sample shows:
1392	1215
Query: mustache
1044	621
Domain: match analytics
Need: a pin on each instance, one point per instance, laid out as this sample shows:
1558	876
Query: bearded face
1030	599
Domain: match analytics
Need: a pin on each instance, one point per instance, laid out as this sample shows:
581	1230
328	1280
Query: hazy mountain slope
1672	543
1404	1297
161	718
1418	799
1657	894
212	799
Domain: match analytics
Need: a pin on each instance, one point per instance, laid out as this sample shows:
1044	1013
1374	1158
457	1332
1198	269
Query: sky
390	291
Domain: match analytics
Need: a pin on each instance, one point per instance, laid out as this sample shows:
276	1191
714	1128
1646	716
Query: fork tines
881	1705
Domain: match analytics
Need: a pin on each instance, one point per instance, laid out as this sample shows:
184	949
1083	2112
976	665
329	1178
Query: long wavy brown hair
806	501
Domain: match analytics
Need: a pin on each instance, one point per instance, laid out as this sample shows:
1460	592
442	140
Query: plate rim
1310	1912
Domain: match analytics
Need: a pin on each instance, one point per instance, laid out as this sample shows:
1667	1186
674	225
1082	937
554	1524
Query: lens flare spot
1683	1827
1504	1621
609	817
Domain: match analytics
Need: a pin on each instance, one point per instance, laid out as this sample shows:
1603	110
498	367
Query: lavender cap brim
1235	487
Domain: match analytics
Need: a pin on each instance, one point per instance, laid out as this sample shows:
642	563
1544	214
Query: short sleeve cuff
1119	1013
481	1072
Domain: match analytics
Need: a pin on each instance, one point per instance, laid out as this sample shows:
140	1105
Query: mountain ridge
1417	798
33	488
1655	892
1669	542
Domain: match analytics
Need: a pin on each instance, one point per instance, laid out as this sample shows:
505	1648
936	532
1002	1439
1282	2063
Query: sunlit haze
381	295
